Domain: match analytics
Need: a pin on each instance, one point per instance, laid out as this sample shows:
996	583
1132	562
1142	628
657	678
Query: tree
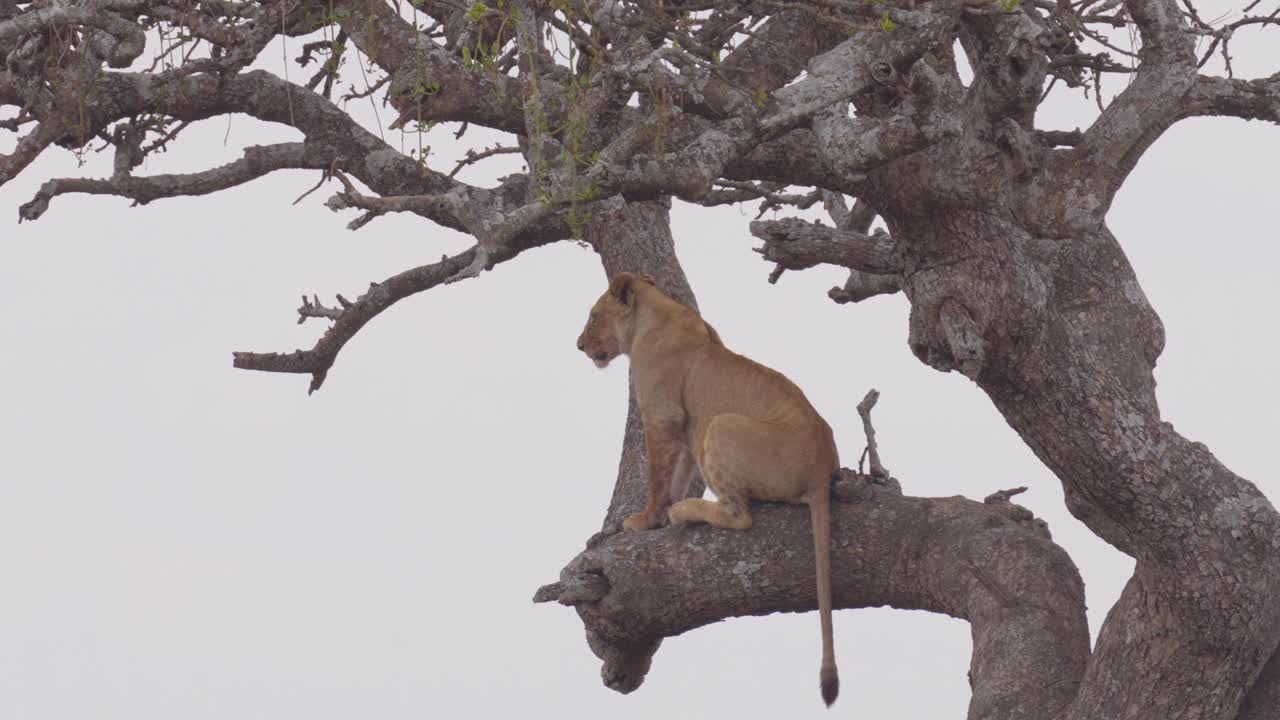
994	231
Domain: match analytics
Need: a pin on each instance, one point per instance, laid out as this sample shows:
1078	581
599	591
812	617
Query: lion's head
610	324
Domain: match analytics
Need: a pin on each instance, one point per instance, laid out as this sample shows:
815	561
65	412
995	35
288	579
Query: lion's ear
623	289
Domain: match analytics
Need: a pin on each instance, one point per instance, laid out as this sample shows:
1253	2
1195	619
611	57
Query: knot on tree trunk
952	341
978	292
573	588
623	665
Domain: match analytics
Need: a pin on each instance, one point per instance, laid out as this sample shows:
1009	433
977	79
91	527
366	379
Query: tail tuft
830	686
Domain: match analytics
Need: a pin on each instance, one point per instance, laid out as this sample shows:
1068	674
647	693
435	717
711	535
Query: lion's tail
820	512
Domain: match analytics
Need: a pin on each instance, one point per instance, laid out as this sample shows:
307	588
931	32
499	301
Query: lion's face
600	339
607	324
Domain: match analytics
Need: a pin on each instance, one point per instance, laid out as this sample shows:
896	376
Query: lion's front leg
664	445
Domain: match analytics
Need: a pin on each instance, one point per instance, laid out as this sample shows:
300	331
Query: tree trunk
1059	334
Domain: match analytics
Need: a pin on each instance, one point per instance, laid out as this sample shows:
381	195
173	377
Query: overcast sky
180	539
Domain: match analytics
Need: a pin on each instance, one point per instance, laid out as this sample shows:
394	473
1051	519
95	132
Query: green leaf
888	25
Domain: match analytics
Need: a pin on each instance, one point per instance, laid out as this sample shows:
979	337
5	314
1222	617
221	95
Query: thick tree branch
1165	36
1111	147
859	285
988	564
1263	700
429	83
1155	100
797	245
496	228
768	59
1247	99
258	160
28	149
836	76
122	43
1008	53
1151	103
333	139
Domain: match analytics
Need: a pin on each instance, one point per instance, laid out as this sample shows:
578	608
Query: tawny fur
748	428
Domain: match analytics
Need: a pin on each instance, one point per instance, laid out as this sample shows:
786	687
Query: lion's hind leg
723	513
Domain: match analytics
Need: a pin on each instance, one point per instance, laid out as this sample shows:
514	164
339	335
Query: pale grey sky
179	539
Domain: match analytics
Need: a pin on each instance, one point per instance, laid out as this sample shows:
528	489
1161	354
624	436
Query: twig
475	157
1002	496
872	453
324	175
162	142
353	95
313	308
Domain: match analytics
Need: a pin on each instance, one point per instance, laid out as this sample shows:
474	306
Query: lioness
751	431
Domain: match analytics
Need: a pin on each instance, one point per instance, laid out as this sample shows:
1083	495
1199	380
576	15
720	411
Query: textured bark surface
996	235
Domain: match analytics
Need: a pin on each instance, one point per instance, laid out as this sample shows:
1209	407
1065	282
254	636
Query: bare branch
474	156
320	358
313	308
258	160
444	208
354	315
872	452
